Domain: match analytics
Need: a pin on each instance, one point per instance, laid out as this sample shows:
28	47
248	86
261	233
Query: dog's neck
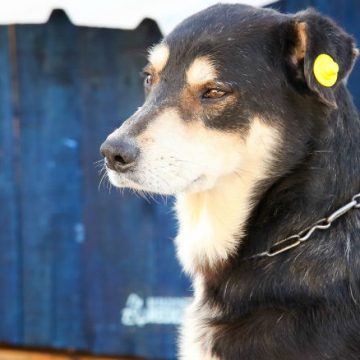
211	223
214	224
326	179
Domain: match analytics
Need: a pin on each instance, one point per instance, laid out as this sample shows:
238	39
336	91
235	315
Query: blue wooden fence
71	255
83	268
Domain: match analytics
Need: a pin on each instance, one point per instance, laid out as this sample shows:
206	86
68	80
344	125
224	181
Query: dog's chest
211	222
209	228
197	335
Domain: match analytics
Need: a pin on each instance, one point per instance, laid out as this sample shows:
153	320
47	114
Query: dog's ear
319	53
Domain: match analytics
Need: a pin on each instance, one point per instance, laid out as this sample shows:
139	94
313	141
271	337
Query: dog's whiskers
104	175
99	163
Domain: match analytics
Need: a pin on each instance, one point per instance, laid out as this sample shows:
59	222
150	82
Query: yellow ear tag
326	70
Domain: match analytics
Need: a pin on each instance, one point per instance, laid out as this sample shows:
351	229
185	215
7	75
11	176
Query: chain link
323	224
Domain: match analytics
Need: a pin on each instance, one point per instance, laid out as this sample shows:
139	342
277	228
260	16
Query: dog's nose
119	153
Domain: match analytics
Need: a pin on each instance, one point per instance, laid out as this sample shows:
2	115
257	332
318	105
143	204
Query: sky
124	14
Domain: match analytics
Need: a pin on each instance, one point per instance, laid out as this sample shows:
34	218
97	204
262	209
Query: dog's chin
122	181
161	187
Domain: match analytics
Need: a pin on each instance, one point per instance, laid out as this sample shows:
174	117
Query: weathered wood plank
36	256
10	250
128	240
65	182
52	177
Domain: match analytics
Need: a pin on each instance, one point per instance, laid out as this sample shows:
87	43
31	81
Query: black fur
304	303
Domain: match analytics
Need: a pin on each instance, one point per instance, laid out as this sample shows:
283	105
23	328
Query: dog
248	123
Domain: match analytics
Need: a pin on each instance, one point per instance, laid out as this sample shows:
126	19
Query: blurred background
85	268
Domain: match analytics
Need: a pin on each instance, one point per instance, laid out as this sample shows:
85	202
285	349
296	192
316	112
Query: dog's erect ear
319	53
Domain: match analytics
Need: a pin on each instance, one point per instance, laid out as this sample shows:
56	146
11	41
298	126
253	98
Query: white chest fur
211	223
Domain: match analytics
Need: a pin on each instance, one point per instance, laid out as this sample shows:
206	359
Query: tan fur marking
209	220
300	49
192	153
190	99
200	71
159	56
355	53
212	172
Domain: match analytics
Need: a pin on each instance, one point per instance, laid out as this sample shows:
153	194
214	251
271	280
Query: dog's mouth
126	178
150	181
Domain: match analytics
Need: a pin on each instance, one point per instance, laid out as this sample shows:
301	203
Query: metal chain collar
323	224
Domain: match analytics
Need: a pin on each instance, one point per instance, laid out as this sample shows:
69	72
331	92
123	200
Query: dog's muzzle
120	154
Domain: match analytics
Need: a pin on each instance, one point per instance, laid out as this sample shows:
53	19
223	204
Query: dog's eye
213	94
148	80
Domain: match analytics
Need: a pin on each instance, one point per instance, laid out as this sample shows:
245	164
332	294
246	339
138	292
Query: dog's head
232	90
